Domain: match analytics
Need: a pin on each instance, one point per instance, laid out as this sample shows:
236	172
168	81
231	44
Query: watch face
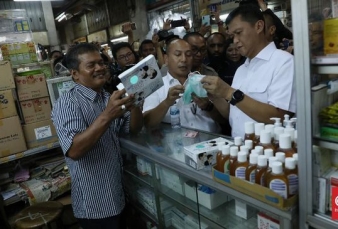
238	95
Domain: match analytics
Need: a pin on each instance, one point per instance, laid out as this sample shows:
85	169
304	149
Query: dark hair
218	34
171	42
72	56
61	59
115	48
248	13
269	20
55	51
192	34
144	42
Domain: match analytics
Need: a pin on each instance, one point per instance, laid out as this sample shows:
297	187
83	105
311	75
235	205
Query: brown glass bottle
278	181
265	140
285	145
223	163
291	173
241	165
258	128
250	173
249	130
233	159
238	142
277	132
268	171
261	170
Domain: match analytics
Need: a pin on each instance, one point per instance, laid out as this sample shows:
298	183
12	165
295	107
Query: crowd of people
246	77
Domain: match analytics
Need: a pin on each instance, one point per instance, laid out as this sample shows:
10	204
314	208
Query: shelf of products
169	155
145	179
326	142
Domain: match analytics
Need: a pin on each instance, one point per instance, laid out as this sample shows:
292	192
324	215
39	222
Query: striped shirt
97	176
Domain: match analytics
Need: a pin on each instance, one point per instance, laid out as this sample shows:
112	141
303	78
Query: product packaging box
7	104
321	160
31	86
207	197
36	110
172	180
11	136
204	153
266	222
243	210
259	192
6	76
40	133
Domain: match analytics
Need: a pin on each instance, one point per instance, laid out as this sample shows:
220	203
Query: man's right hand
173	94
117	105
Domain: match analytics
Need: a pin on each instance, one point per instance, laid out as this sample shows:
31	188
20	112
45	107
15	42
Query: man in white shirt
263	87
197	115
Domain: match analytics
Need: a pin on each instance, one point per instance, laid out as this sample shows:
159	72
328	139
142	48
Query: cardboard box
243	210
31	86
39	133
266	222
204	153
36	110
6	76
7	104
11	136
254	190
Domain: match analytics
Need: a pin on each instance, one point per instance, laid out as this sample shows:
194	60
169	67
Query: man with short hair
263	87
124	55
88	121
199	114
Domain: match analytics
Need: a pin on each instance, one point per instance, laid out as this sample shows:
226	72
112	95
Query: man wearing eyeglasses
124	55
197	115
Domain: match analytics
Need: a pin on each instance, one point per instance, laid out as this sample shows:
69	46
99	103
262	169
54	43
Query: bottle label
240	172
252	176
227	166
279	187
293	184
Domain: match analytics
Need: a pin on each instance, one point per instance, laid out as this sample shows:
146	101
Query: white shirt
268	78
200	120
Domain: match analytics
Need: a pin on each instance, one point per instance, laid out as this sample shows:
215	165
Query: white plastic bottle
175	116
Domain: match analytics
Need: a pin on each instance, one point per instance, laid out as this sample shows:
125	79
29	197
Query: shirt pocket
258	90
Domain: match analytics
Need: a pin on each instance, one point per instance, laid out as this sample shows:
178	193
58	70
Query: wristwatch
236	97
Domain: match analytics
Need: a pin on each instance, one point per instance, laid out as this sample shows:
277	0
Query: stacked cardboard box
36	108
11	136
19	52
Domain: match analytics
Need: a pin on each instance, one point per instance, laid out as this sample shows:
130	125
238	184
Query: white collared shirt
268	78
200	120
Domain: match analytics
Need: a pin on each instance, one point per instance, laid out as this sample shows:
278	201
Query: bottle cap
265	137
262	160
277	122
291	132
277	167
286	118
268	153
260	149
225	150
290	163
242	157
280	156
258	128
295	156
278	131
271	160
253	159
244	149
233	151
284	141
238	141
270	128
288	124
249	127
249	144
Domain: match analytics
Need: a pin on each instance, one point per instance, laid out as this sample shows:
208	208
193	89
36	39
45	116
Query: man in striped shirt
88	121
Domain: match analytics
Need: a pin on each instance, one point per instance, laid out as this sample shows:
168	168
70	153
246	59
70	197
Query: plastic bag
193	85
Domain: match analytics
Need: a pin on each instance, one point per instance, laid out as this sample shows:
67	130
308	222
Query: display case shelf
326	69
144	179
327	143
144	212
320	221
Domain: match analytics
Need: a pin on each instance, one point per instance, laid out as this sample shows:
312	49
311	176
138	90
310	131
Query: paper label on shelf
43	132
334	201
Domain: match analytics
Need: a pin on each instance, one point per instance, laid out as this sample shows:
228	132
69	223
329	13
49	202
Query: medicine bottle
258	128
268	153
285	145
261	170
241	165
233	159
249	144
270	128
268	171
238	142
292	175
250	173
278	131
281	158
223	160
278	181
249	130
265	140
295	156
260	149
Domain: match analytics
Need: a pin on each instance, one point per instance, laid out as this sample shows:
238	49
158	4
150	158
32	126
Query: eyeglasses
124	57
195	50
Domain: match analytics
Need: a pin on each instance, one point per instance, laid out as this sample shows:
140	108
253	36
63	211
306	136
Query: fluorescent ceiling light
58	17
119	39
37	0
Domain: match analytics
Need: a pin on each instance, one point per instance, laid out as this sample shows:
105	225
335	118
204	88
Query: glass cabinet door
315	26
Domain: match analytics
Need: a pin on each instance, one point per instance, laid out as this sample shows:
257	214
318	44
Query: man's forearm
155	116
136	120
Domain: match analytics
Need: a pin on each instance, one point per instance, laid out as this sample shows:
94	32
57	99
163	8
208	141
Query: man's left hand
216	87
202	103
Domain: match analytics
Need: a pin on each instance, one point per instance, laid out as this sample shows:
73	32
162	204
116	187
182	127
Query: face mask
193	85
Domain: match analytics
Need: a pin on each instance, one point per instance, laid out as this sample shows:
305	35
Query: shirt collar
172	80
88	92
264	54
